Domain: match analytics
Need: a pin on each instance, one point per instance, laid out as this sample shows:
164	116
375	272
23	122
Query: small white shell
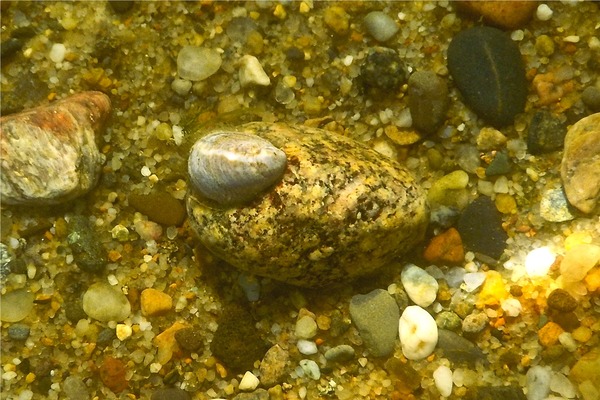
234	167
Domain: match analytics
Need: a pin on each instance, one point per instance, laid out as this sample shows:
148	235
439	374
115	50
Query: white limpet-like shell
418	333
234	167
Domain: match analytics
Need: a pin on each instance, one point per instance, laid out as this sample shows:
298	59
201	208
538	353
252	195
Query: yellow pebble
505	203
577	238
493	290
30	377
337	19
582	334
280	12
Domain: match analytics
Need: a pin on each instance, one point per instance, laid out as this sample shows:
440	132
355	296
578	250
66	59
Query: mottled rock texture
580	168
49	153
340	211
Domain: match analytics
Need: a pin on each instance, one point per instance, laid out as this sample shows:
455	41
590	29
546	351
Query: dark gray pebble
480	227
106	336
487	68
88	252
458	349
18	331
500	165
189	339
428	100
340	353
383	70
546	133
591	98
170	394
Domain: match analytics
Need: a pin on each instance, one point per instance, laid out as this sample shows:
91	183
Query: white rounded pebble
419	285
442	377
512	307
249	382
181	86
311	369
306	347
538	382
197	63
252	73
473	280
539	261
105	303
306	327
418	333
543	12
58	52
380	25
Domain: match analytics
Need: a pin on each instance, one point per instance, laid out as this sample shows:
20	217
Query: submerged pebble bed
77	328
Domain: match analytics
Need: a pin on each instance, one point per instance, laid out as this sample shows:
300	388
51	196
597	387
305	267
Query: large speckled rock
49	153
340	211
580	169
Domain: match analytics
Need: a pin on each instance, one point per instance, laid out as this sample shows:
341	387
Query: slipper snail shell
234	167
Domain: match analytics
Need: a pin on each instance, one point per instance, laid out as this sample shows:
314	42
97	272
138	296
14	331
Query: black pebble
18	331
383	70
106	336
546	133
170	394
88	252
500	165
480	227
458	349
487	68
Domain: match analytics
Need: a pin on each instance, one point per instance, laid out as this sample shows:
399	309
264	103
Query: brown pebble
445	247
112	373
154	302
503	14
561	300
160	207
189	339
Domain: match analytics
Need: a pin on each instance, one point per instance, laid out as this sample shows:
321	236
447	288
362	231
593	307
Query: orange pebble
549	334
445	247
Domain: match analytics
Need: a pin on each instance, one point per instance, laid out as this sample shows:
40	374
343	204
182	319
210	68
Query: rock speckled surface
49	153
580	169
341	211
